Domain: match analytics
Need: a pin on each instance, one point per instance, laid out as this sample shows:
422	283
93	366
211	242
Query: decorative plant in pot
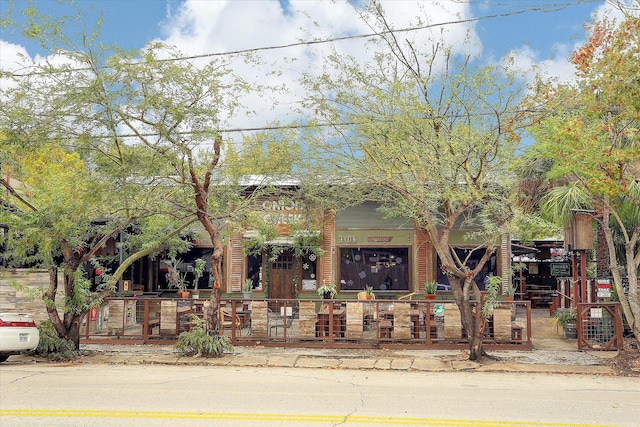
368	290
430	290
247	288
568	319
327	291
198	270
510	292
176	279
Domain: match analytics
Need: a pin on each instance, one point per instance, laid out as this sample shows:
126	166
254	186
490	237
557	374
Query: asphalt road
161	395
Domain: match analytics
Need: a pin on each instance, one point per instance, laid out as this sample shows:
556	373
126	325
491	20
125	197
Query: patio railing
600	326
418	324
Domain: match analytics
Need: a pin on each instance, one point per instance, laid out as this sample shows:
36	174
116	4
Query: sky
535	33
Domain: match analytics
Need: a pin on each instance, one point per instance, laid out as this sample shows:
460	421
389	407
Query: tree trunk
476	349
471	316
216	267
67	327
629	301
603	269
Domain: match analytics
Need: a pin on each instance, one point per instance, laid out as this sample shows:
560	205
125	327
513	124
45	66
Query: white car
18	333
443	287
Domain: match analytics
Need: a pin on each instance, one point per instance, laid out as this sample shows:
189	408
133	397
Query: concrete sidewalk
558	356
551	354
539	360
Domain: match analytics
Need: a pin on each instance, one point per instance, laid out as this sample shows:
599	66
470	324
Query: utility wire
266	128
548	9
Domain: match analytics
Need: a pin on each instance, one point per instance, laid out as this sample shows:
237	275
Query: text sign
560	269
604	289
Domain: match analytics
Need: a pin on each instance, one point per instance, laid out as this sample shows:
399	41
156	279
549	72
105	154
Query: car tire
3	357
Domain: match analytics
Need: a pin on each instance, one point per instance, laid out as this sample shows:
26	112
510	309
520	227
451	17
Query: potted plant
568	319
198	270
430	290
369	292
510	292
176	279
327	291
247	288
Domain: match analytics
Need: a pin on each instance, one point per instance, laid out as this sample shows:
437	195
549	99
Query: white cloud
199	27
558	67
12	57
528	63
614	10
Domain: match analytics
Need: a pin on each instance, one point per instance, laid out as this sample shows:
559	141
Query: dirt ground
627	362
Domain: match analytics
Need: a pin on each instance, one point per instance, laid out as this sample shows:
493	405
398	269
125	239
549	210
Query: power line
275	127
550	8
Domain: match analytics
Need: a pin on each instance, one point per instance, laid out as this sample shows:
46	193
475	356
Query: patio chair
362	295
227	320
283	320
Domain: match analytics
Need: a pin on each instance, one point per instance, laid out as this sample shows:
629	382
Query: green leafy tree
173	106
149	119
273	154
590	143
59	216
72	181
429	136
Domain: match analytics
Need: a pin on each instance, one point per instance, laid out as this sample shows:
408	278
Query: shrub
52	346
565	316
198	342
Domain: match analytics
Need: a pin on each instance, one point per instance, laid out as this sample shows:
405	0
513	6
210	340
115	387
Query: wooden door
281	276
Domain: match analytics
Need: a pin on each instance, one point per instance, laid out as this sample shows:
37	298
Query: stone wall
21	292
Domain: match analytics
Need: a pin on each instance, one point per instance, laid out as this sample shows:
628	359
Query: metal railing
417	324
600	326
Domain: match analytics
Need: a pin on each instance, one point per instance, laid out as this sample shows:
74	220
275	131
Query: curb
427	362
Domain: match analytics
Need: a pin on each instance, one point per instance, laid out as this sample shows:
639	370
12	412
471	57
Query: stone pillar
452	322
402	325
259	319
502	324
355	315
168	313
115	324
307	319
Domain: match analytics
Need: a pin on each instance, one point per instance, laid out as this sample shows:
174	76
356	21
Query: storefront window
186	266
386	269
489	268
308	272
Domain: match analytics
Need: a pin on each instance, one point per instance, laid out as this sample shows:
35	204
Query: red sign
604	289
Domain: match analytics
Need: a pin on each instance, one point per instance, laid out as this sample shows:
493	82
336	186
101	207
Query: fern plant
492	288
52	346
197	341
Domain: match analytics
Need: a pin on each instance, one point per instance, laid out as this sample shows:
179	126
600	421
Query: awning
519	250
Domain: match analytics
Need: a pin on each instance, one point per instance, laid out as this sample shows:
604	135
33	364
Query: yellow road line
293	418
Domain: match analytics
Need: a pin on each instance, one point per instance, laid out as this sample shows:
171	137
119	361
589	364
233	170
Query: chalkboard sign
560	269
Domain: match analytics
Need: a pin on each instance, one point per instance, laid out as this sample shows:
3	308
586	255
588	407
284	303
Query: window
472	257
308	263
386	269
186	266
254	270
